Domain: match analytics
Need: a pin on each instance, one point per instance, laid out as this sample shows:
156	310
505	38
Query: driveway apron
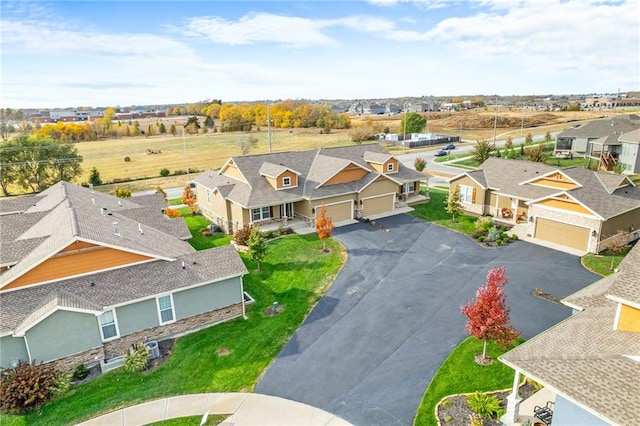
372	344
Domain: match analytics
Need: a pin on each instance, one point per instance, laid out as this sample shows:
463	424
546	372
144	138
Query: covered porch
509	209
536	410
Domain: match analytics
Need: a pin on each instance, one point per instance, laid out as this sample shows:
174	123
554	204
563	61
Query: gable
286	179
555	180
384	167
230	169
76	259
350	173
564	202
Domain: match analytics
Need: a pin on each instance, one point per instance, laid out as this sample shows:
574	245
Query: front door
286	210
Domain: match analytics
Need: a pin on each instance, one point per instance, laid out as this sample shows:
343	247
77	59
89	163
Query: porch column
513	402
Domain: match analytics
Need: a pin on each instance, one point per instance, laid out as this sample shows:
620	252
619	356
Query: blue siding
61	334
137	316
207	298
12	348
566	413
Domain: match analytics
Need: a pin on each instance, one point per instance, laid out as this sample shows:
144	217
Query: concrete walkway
242	408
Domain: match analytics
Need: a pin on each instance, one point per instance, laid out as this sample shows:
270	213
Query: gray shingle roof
315	167
598	128
583	358
632	136
121	285
507	176
65	213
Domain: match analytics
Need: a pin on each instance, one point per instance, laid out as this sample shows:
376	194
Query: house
353	182
373	108
84	275
597	139
629	158
573	207
589	363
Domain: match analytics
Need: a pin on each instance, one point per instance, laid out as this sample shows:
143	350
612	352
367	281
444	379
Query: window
286	181
208	196
466	194
409	188
108	325
165	309
260	214
390	167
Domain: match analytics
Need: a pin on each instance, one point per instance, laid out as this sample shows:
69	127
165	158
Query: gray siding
137	316
12	348
207	298
566	413
63	333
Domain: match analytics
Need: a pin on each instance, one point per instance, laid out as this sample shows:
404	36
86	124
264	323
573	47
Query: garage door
377	205
338	212
564	234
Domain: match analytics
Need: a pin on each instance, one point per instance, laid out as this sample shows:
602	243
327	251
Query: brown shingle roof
627	283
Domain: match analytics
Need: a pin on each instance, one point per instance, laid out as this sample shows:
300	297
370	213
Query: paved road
370	347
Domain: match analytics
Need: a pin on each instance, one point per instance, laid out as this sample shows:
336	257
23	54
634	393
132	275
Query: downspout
26	344
242	298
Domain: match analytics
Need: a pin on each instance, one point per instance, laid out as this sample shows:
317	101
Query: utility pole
495	121
186	157
269	128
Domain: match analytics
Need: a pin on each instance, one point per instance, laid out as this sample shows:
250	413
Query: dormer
627	315
555	179
279	176
381	163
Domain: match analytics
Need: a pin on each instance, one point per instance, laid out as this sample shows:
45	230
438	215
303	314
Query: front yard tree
189	198
324	226
488	316
257	244
482	150
453	203
415	123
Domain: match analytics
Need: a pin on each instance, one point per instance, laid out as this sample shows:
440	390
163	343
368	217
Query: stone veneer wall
69	363
118	347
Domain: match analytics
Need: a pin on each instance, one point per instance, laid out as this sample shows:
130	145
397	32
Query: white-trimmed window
466	194
389	167
208	196
166	313
260	214
409	188
286	181
108	325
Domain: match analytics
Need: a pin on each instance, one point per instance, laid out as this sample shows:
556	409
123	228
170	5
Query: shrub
269	235
165	172
447	404
514	237
419	164
63	382
481	238
505	239
172	213
242	235
122	193
493	234
26	387
179	172
484	223
484	405
136	360
498	242
81	372
447	419
207	233
127	159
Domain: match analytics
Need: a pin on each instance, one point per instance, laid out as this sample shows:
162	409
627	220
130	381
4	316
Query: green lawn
459	373
174	201
434	211
451	157
294	273
601	263
212	420
567	162
199	241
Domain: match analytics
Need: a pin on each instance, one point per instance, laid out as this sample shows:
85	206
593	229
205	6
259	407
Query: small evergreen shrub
164	172
81	372
505	240
481	238
514	237
486	406
136	360
499	242
242	235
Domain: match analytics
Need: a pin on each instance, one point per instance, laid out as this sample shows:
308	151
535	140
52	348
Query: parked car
449	147
191	184
441	153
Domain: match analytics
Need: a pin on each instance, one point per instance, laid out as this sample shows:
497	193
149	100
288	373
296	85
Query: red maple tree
487	315
324	226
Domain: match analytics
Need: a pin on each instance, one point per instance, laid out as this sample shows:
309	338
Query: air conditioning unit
152	349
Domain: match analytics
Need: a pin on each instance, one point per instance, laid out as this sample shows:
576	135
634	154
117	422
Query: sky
122	53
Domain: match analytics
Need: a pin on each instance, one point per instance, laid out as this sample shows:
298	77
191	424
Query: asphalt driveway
370	347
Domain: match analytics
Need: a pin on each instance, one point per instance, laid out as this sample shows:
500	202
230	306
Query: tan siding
232	171
289	174
271	181
479	192
348	174
240	215
565	205
303	208
621	222
377	205
377	167
555	183
338	212
629	319
380	186
395	166
76	264
562	233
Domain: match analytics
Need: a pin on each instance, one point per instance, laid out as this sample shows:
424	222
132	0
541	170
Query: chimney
116	229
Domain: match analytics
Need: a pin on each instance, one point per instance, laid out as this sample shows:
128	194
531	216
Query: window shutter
473	196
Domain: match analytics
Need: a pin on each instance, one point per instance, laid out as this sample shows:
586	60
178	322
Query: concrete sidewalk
242	408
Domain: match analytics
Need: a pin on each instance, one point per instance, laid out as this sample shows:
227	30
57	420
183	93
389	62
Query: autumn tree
452	203
324	226
420	163
536	154
415	123
487	315
257	244
528	139
616	245
482	150
189	198
173	130
122	193
359	134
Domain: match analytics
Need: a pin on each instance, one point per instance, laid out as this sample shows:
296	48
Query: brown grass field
212	150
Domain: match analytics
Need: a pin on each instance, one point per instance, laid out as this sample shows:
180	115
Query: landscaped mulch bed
454	411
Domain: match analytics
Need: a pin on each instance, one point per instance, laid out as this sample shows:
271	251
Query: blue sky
65	53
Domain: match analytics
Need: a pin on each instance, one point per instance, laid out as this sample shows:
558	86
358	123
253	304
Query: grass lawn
295	273
199	241
601	263
174	201
212	420
434	211
459	373
567	162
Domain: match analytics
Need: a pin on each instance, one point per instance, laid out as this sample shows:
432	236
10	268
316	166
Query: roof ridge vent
140	228
116	229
